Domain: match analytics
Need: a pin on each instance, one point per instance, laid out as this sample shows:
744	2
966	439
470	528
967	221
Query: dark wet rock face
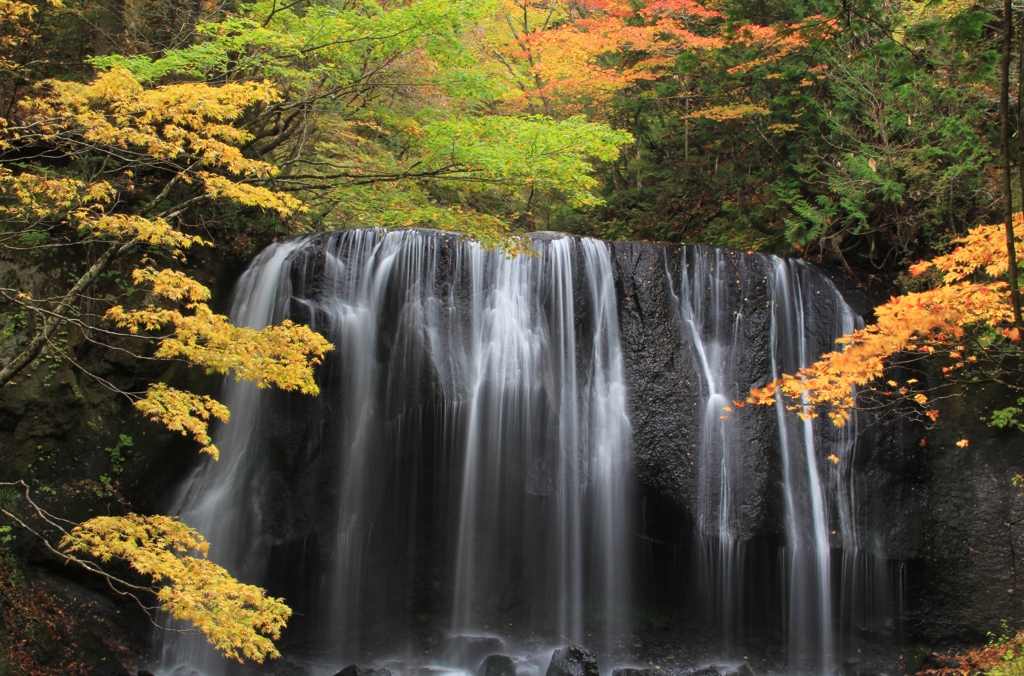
663	381
497	665
742	670
356	670
573	660
958	519
666	388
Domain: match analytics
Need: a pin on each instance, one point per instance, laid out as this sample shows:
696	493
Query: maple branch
449	172
85	327
111	580
102	381
35	347
170	184
277	9
346	41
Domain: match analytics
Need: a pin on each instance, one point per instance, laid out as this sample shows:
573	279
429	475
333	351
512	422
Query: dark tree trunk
110	27
1004	118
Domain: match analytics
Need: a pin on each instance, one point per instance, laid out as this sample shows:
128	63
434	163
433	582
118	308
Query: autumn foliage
190	124
474	117
186	137
239	620
964	315
580	54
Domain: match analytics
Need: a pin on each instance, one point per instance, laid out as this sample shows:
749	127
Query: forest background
860	133
137	134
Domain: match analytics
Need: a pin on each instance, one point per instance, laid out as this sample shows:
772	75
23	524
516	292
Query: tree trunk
53	319
109	27
1020	116
1004	118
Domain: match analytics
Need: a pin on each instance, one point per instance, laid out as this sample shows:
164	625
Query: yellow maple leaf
239	620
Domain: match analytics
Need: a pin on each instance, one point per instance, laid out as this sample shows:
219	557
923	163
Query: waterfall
528	389
607	433
713	327
468	456
795	345
216	498
473	466
817	599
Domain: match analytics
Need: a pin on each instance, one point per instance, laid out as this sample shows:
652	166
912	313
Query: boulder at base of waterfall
914	659
707	671
356	670
467	652
670	671
497	665
742	670
573	660
185	670
97	656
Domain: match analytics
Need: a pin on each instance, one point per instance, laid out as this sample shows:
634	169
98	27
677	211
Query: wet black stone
497	665
709	671
651	671
573	660
742	670
914	659
356	670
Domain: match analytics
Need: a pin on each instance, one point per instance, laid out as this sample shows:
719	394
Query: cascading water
529	390
714	329
805	445
816	599
217	497
467	468
471	443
